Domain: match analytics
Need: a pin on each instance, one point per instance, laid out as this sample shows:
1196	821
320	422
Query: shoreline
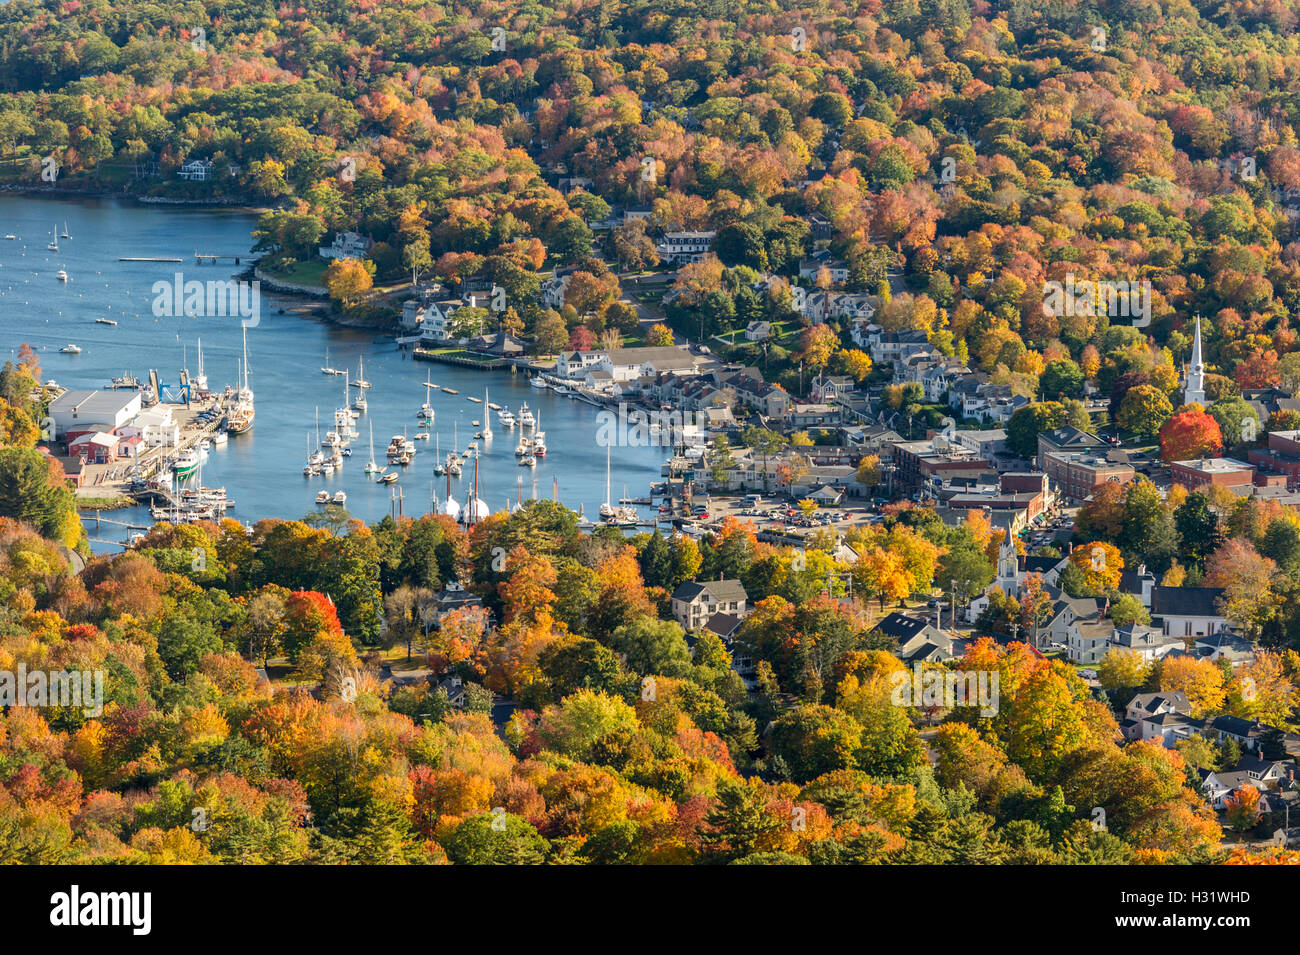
53	192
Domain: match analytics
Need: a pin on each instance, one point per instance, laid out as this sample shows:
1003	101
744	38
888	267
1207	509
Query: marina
258	460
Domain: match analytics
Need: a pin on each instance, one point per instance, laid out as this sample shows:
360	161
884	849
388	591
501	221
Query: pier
126	477
148	258
486	364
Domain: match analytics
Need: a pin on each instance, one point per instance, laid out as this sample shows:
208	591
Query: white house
553	290
683	247
1150	642
1188	611
628	364
347	245
155	426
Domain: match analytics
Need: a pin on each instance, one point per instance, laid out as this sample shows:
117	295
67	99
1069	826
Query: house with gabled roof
916	638
694	602
1188	611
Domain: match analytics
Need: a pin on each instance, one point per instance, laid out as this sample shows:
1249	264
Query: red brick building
1199	472
1077	475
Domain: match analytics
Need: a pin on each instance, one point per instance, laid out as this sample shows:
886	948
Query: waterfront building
77	412
347	245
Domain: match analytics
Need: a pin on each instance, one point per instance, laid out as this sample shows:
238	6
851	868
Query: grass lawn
102	503
303	273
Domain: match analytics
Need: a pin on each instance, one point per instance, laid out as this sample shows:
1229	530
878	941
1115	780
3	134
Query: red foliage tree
581	339
1191	434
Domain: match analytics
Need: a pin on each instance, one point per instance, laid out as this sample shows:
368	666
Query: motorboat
323	497
185	464
71	349
340	497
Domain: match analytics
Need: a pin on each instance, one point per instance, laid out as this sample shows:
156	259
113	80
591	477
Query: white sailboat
200	381
426	412
487	418
539	438
371	466
361	374
53	245
606	509
241	419
327	368
312	466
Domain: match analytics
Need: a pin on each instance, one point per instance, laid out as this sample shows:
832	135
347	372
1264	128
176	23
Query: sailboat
371	466
487	417
361	374
606	509
539	438
438	467
313	465
53	245
66	234
327	368
200	381
426	410
241	419
343	418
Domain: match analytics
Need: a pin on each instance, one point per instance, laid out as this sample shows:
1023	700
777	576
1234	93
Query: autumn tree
1190	434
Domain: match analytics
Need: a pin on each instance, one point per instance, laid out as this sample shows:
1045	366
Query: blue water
262	469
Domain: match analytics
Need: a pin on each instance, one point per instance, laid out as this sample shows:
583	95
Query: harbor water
261	470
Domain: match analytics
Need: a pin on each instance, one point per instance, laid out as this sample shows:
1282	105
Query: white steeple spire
1195	387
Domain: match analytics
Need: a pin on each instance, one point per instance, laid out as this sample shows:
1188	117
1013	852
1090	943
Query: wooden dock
488	364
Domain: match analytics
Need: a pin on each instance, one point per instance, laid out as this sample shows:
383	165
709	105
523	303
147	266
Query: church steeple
1008	577
1195	388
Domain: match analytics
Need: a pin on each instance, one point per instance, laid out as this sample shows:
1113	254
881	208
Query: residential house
1147	705
196	170
1151	642
451	598
680	248
916	638
821	260
347	245
695	602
